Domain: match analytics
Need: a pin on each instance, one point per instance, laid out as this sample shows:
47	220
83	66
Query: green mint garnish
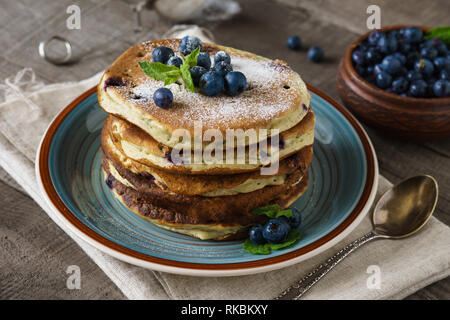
160	71
171	74
188	62
442	33
273	211
266	248
269	211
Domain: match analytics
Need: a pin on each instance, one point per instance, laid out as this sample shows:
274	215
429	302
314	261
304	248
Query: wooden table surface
34	252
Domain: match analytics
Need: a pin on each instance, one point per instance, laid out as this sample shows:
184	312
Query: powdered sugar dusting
271	91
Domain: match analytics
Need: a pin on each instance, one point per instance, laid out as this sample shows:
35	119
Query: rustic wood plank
35	253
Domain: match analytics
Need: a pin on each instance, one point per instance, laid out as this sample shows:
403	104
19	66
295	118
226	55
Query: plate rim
63	216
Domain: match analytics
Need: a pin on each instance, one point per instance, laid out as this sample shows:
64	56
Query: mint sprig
160	71
267	248
442	33
171	74
189	62
272	211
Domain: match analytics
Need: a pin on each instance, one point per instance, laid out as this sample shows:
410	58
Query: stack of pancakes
202	198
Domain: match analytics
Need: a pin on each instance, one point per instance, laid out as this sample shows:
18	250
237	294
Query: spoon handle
295	291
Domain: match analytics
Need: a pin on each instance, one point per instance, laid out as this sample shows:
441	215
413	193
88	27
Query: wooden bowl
407	117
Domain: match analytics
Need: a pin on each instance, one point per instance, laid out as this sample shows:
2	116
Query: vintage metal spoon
400	212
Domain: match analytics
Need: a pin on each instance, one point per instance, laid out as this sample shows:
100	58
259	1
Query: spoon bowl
405	209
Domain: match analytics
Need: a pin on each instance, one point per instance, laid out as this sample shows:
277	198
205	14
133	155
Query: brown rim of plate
69	216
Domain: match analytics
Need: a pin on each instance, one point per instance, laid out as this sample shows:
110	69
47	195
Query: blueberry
222	56
383	80
163	98
189	44
399	85
413	75
114	82
437	44
360	70
296	219
444	75
315	54
413	34
401	57
387	44
372	56
211	83
418	88
196	73
440	63
425	67
222	68
374	36
441	88
404	47
203	60
294	42
174	61
162	54
275	231
391	64
256	235
429	53
411	58
235	83
377	69
358	57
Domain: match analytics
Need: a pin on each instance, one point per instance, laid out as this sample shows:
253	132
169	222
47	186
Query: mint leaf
171	77
191	58
189	62
267	248
442	33
285	213
187	78
160	71
270	211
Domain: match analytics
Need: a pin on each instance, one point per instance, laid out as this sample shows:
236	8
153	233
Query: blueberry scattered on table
315	54
294	42
163	98
162	54
403	62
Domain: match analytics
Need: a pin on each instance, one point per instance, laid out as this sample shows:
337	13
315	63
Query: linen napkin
399	267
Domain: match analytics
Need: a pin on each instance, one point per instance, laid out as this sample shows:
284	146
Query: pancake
205	185
207	218
141	147
276	98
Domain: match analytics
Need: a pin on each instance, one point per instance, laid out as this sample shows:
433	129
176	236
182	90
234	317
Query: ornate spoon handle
295	291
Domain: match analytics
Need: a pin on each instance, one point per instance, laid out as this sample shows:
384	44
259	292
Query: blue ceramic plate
343	177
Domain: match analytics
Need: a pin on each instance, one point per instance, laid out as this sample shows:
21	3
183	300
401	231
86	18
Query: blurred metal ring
56	61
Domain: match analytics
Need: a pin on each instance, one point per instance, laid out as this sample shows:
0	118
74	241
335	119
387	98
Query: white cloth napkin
404	266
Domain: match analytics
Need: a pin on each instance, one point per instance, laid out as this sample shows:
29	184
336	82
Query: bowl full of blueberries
397	79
